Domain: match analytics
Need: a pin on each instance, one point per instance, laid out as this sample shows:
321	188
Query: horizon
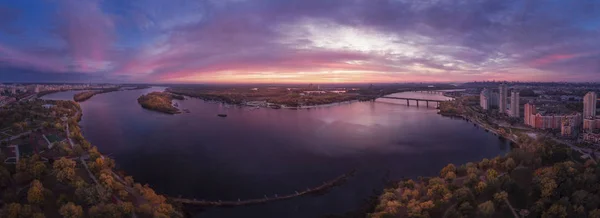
298	42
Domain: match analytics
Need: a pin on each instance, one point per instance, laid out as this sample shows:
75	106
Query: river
253	153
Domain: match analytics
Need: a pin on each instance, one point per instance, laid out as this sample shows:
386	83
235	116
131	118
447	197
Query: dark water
250	154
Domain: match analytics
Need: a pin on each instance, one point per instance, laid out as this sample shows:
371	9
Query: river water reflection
253	153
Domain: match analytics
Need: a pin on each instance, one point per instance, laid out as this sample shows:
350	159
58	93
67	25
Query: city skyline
263	41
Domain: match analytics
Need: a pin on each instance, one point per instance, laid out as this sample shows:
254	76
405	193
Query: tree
12	210
548	186
4	177
510	164
126	208
484	164
492	175
481	186
71	210
486	209
65	170
555	211
35	195
38	169
129	181
500	197
447	169
463	194
466	209
450	176
595	213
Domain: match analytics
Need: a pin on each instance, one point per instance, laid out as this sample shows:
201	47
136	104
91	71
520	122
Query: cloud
336	40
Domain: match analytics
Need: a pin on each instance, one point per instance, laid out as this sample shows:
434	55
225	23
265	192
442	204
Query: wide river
253	153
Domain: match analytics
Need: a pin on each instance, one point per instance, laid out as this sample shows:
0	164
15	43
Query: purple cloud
400	40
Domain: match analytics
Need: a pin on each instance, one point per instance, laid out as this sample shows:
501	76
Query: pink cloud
550	59
87	30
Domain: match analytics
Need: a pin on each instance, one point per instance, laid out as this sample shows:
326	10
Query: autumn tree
480	188
555	211
35	195
486	209
65	170
71	210
447	169
548	185
492	175
500	197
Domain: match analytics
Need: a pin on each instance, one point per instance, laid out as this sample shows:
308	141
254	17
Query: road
17	136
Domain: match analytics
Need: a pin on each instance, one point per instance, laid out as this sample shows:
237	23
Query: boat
222	115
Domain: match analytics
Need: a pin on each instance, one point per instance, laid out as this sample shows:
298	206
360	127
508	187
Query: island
159	101
83	96
284	97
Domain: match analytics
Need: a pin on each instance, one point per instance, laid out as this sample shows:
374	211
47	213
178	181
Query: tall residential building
539	121
568	126
529	115
514	104
589	105
494	99
589	124
502	104
484	99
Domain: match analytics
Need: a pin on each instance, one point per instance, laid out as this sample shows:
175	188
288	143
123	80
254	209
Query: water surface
253	153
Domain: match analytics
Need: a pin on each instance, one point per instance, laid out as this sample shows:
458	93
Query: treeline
83	96
37	188
159	101
542	179
296	100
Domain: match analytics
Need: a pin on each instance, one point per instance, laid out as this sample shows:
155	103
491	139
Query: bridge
340	180
416	100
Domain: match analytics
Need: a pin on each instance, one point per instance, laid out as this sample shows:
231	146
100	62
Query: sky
299	41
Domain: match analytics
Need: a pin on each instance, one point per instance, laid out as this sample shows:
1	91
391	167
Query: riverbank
160	102
69	177
532	177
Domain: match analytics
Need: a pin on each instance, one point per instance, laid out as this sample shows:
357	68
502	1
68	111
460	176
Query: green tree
484	164
509	164
71	210
35	195
466	209
486	209
38	169
595	213
463	194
